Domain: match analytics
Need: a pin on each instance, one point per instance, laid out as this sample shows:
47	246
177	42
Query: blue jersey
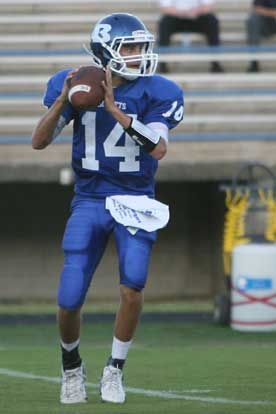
105	159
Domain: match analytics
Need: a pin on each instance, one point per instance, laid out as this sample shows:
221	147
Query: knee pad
71	292
135	285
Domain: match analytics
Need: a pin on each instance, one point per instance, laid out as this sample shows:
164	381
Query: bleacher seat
39	37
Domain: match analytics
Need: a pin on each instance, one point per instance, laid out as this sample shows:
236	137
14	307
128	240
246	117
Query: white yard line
191	391
149	393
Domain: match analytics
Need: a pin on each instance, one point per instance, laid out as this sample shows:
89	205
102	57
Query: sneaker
253	67
73	386
112	385
216	67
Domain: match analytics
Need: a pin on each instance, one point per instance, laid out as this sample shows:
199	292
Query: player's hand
109	102
67	84
108	89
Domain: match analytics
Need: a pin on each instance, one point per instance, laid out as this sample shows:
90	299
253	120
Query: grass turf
193	360
94	307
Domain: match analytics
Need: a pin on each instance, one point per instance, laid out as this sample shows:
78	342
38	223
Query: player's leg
131	301
134	255
84	242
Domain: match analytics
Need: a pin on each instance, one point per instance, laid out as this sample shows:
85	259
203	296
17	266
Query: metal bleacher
229	117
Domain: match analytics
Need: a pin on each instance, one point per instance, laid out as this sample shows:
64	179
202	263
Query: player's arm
44	132
52	122
146	137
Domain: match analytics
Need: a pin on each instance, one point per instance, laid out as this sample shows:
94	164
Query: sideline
148	393
33	319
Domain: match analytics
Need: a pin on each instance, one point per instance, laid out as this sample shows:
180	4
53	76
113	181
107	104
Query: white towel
138	212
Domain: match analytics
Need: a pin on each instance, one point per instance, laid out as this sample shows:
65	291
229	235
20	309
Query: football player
115	152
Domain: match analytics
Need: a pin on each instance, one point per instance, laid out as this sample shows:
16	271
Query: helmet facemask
109	55
146	61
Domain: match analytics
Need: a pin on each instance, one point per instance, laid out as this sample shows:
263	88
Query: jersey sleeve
166	103
53	90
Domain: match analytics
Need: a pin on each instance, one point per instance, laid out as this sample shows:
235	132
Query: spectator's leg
208	24
255	30
168	25
165	30
269	27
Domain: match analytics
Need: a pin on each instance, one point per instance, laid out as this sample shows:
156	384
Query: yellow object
234	228
238	204
269	201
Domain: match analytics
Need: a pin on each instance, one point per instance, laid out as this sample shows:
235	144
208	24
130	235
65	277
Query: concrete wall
186	260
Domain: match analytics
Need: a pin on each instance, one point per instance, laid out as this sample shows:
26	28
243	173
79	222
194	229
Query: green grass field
173	368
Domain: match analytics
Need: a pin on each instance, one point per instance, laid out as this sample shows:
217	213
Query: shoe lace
73	382
112	380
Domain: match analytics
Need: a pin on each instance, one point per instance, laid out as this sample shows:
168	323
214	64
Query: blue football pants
84	242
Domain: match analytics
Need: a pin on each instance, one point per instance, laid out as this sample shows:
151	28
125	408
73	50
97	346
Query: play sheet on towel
138	212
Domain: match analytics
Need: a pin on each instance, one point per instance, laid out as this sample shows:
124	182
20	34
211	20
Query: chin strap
143	135
96	61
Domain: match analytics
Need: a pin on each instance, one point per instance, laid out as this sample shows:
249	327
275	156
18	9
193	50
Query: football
86	91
